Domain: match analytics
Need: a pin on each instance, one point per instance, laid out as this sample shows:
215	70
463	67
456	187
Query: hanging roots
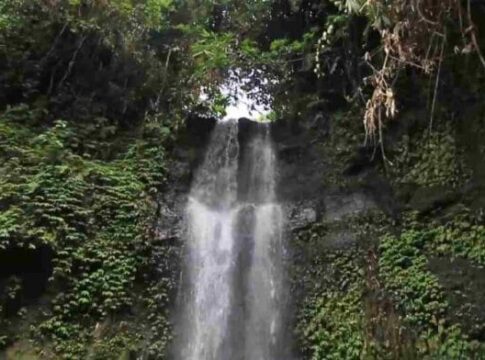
414	35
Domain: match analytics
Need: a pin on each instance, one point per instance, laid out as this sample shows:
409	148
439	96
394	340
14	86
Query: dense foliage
93	98
85	97
407	286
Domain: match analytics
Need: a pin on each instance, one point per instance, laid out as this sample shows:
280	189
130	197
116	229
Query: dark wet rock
189	152
186	157
464	285
170	227
404	192
304	168
247	129
302	215
181	172
378	188
30	269
361	161
429	198
197	131
340	239
340	205
171	203
300	166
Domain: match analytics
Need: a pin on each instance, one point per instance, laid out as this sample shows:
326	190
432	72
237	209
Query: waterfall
263	323
232	303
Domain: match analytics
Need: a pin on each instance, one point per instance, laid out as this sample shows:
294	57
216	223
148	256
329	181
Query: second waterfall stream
233	296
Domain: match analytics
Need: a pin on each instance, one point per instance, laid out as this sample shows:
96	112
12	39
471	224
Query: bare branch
72	61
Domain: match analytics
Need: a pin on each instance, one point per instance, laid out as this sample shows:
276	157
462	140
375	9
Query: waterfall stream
233	295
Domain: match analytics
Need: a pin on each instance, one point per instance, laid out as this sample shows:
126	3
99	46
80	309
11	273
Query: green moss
419	298
402	267
463	236
93	214
331	321
339	149
430	159
383	301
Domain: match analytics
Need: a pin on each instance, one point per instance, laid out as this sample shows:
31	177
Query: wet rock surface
340	239
185	159
310	202
304	166
302	214
464	284
341	205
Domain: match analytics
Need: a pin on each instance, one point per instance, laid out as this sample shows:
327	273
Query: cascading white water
232	303
210	257
264	286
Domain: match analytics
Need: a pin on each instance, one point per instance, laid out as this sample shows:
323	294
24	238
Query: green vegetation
93	101
332	318
93	96
434	159
388	304
92	214
83	138
418	296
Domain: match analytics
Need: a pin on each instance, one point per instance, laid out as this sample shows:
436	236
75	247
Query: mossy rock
426	199
464	286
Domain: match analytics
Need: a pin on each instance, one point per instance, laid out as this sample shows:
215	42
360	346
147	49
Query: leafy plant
331	321
419	297
93	214
431	160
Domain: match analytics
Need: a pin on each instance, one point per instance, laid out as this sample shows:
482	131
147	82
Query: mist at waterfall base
232	303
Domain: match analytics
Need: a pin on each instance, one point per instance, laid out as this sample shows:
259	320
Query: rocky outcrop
304	166
332	214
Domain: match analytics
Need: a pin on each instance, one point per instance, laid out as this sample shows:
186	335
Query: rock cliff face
169	229
303	167
345	201
346	208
